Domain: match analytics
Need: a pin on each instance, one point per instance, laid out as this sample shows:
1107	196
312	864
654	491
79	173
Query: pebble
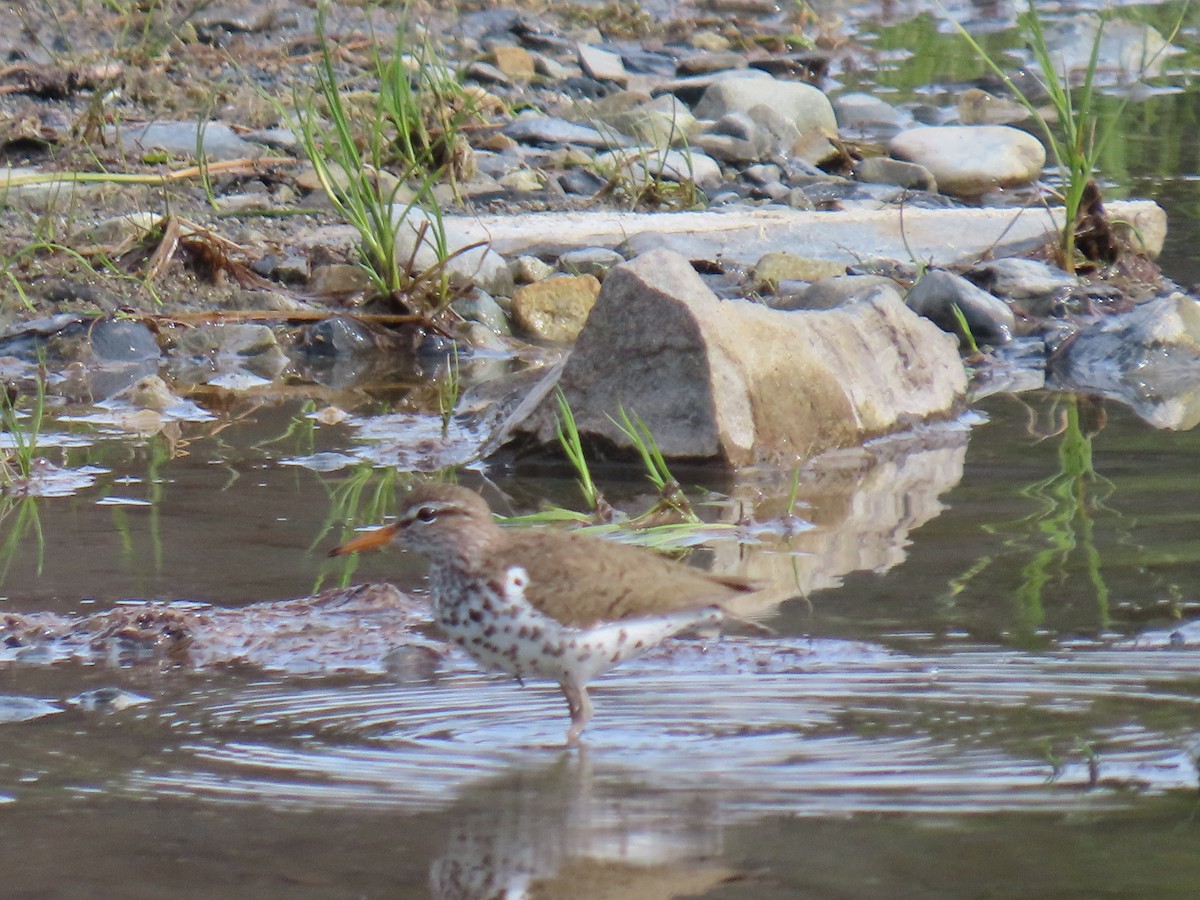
865	114
515	62
661	122
528	269
549	131
1019	279
735	138
967	160
803	106
833	291
523	181
590	261
552	69
691	88
714	42
486	73
122	341
582	182
602	65
882	170
480	306
556	308
292	269
337	279
237	339
978	107
337	336
778	266
704	63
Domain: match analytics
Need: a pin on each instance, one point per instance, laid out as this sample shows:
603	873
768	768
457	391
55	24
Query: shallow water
937	705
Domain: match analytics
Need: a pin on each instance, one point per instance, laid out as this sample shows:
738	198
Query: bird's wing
581	580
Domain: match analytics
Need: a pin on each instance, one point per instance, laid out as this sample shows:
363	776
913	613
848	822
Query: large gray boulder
740	383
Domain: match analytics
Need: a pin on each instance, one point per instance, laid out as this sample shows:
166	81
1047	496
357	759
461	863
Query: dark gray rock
581	182
936	295
122	341
648	62
337	336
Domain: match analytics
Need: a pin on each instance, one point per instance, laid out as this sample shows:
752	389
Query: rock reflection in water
864	504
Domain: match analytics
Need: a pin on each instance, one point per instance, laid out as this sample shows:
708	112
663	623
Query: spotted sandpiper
546	603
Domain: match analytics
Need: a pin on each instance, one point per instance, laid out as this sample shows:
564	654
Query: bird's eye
426	514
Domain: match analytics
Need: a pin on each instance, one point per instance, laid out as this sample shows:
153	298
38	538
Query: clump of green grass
572	445
671	495
669	524
411	122
649	179
17	462
656	191
1078	141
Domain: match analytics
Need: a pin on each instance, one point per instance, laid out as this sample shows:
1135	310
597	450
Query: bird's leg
580	707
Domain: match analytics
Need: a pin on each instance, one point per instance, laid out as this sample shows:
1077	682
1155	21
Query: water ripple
974	730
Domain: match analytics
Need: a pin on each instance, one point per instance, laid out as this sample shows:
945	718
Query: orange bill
368	540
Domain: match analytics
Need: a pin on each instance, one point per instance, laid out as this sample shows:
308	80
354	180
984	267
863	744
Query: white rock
603	65
802	106
968	160
479	265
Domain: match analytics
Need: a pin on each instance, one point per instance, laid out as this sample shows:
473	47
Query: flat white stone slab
741	237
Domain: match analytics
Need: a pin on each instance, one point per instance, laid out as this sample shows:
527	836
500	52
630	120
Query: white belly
509	635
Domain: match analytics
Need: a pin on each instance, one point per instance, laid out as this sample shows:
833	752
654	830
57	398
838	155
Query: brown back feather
581	580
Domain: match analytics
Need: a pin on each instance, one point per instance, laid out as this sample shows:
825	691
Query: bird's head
434	519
